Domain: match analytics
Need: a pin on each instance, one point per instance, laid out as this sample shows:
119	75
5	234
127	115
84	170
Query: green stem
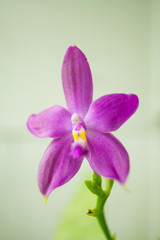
103	225
100	217
102	196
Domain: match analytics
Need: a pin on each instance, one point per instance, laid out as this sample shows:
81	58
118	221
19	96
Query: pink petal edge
52	122
109	112
108	157
77	81
57	167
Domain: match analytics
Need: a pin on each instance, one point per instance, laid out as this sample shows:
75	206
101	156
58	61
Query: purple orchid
83	130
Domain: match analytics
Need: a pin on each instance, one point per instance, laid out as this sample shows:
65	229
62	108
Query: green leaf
75	223
95	188
97	178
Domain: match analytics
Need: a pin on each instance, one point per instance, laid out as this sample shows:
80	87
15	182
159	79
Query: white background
121	40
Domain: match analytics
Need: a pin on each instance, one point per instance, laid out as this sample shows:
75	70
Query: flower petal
57	167
52	122
77	81
108	157
109	112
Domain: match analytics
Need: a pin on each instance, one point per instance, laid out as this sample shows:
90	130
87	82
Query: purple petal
77	81
109	112
57	167
52	122
108	157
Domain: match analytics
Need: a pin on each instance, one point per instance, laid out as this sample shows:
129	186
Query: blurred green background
121	39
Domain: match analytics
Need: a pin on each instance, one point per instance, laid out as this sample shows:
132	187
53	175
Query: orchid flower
83	130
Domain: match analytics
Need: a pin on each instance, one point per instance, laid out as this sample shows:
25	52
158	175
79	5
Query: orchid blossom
83	130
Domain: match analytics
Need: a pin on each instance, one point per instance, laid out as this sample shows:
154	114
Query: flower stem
100	217
104	227
102	196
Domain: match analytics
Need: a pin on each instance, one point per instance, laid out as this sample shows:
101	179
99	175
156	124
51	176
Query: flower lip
78	149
